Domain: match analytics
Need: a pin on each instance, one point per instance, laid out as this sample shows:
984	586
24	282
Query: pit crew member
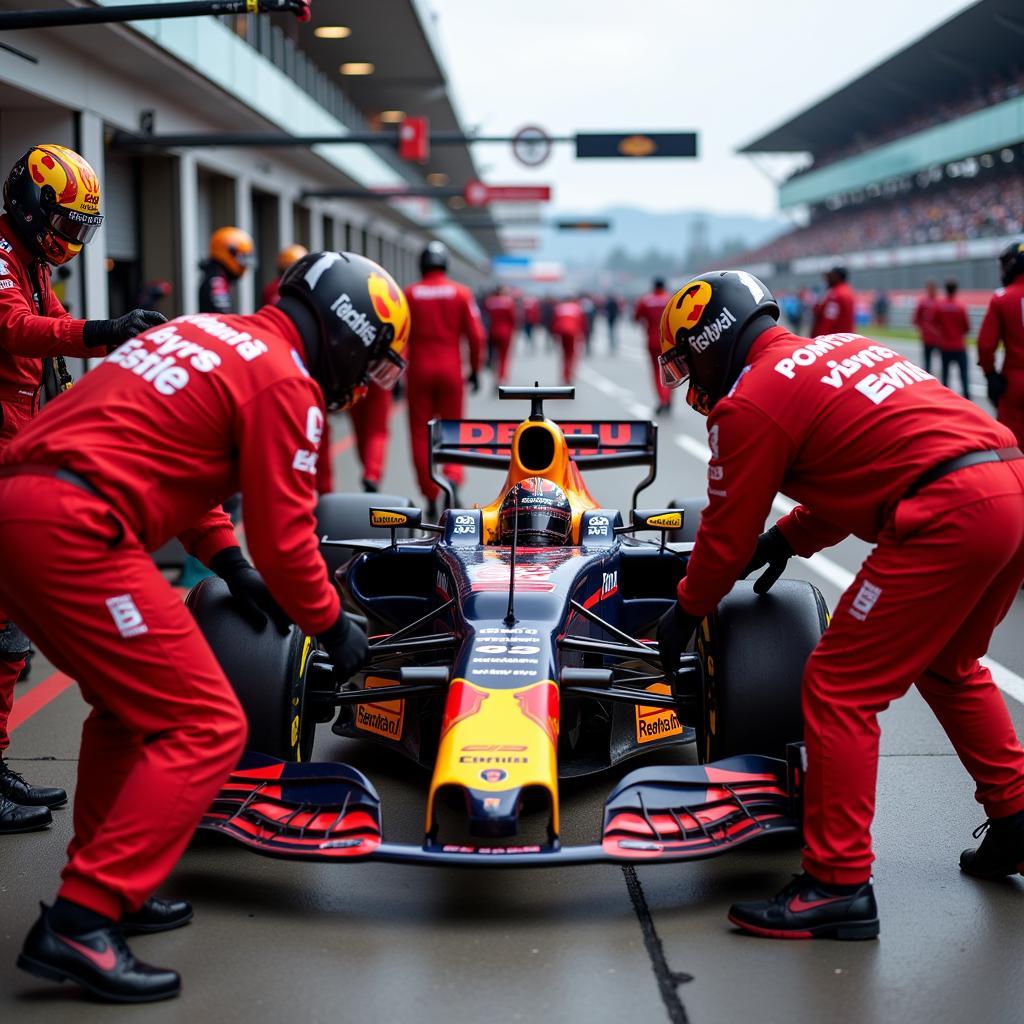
444	315
1004	326
568	327
953	325
143	449
647	313
871	445
500	310
924	321
52	209
835	312
232	253
285	258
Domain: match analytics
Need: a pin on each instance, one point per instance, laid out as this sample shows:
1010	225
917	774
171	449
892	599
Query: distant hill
637	232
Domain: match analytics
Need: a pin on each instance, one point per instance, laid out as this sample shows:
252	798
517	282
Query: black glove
473	380
675	628
347	647
774	551
996	387
97	333
254	601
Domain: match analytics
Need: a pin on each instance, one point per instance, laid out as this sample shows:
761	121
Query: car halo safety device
53	198
537	513
434	257
1011	262
706	332
363	322
290	254
233	249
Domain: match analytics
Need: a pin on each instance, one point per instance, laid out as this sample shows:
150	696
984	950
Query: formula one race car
504	668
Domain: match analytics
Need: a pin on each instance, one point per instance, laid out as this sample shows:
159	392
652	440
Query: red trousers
370	423
435	392
165	728
1011	406
502	351
664	394
922	609
570	350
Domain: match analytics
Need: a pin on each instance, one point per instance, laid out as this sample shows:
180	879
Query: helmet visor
386	371
674	368
74	226
535	527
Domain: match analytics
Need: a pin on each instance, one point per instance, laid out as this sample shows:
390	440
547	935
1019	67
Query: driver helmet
537	512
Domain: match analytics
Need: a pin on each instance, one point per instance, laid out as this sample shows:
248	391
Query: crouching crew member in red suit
835	313
1004	325
141	450
52	204
568	326
871	445
285	258
647	313
444	315
500	308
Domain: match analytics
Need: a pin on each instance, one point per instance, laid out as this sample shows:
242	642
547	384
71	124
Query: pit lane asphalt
276	941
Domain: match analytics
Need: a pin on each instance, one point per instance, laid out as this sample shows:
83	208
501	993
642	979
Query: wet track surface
305	942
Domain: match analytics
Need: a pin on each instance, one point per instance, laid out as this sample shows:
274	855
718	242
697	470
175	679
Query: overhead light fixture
438	178
392	116
357	67
332	32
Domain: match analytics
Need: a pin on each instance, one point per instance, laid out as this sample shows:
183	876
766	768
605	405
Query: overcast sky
730	69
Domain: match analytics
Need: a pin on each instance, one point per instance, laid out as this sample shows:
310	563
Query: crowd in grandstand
977	209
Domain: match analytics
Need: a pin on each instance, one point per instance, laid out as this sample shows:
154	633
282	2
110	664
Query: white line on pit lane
840	577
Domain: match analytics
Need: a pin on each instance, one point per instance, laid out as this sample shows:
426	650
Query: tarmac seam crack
668	980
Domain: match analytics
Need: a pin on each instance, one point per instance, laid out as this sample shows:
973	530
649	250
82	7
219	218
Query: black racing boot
14	787
370	486
98	960
1002	850
19	818
809	909
156	915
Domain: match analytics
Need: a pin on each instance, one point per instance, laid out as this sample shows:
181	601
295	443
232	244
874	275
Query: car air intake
536	449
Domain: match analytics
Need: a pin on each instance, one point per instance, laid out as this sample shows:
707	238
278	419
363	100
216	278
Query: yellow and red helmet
52	196
290	254
233	249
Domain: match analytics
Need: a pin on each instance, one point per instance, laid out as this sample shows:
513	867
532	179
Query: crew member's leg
663	393
946	360
1011	406
377	432
451	394
421	410
960	358
503	347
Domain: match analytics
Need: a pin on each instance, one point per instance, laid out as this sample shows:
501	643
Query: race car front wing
330	812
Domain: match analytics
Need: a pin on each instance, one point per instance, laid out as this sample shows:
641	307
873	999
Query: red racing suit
648	312
33	326
951	324
271	292
171	424
845	426
501	316
370	421
924	321
835	313
569	326
444	314
1004	325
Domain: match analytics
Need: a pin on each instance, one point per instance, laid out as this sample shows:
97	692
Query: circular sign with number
531	145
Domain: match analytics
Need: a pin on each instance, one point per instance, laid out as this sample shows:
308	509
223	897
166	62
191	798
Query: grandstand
916	167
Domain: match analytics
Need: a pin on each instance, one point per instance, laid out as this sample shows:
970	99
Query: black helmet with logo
537	513
434	257
706	332
354	322
1011	262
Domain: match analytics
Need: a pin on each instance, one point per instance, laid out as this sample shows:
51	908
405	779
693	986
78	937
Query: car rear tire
692	509
266	671
754	651
347	517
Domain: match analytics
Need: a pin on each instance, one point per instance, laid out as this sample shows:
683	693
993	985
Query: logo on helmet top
389	307
690	306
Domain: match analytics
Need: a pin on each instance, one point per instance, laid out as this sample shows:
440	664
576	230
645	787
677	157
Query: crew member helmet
537	513
52	196
233	249
1011	262
434	257
362	319
706	332
288	255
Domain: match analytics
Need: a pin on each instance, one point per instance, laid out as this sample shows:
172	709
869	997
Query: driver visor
386	371
674	368
74	226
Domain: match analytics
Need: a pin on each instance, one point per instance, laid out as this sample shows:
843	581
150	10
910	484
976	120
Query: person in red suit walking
569	326
1004	326
502	318
872	445
952	324
835	313
924	321
444	318
647	313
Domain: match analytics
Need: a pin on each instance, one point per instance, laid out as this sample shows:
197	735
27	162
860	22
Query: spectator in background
531	317
612	309
835	313
589	308
793	307
924	321
881	309
952	326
